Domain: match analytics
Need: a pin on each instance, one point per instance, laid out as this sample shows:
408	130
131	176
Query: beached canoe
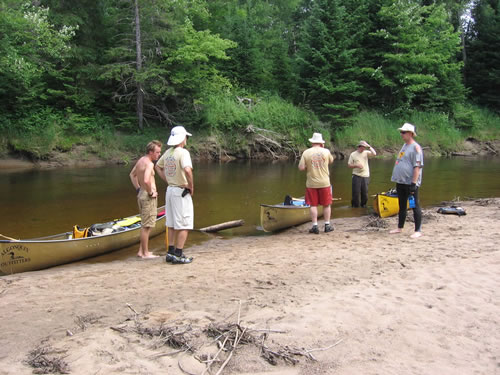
39	253
387	204
280	216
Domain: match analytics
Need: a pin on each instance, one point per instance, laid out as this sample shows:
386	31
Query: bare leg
314	214
139	253
327	212
143	249
182	236
171	236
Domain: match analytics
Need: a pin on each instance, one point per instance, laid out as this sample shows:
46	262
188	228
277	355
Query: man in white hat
315	162
358	161
407	174
175	167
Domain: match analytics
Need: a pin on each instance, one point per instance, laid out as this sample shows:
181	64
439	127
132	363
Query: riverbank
83	157
360	301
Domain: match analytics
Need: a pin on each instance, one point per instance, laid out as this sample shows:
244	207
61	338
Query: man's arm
133	178
416	173
161	172
372	151
189	178
352	164
302	163
414	179
148	176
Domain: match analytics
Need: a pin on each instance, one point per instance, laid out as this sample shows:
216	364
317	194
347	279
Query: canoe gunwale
47	238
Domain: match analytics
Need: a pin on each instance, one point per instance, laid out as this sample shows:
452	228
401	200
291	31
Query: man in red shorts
315	162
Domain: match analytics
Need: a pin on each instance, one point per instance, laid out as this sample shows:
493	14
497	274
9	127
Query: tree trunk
138	47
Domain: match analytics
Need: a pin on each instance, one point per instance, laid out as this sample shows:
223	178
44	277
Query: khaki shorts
148	208
179	210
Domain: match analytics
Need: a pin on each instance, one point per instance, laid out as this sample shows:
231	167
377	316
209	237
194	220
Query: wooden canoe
39	253
386	204
278	216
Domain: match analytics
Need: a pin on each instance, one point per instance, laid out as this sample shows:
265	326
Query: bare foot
394	231
416	235
150	256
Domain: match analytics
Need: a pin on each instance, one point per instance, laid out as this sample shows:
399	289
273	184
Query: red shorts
319	196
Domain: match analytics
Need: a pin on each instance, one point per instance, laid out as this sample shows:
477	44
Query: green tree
328	57
418	51
169	64
483	51
261	60
32	56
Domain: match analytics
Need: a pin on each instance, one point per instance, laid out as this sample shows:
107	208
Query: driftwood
222	226
229	338
43	363
272	142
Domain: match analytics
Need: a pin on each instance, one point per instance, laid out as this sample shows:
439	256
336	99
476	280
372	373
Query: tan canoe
39	253
278	216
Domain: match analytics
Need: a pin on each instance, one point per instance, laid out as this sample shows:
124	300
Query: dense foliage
71	70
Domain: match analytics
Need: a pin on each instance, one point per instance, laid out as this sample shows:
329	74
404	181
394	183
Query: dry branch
42	363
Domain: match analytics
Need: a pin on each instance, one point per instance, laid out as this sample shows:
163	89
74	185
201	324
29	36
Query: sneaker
169	257
328	228
314	229
181	259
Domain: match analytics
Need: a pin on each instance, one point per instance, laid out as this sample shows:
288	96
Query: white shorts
179	210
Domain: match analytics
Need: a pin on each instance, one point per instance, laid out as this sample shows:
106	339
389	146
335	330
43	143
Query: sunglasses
403	132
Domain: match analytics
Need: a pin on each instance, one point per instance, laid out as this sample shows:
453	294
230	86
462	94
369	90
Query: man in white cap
315	162
407	174
358	161
175	167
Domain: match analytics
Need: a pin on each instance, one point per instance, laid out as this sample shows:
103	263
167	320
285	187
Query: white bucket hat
407	127
177	135
317	138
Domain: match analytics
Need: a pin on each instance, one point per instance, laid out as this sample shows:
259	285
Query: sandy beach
354	301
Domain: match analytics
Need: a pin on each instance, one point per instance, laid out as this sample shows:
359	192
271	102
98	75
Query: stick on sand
222	226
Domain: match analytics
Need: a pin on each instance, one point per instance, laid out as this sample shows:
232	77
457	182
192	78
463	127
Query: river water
37	203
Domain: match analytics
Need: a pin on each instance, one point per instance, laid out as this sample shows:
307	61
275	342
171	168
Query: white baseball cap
177	135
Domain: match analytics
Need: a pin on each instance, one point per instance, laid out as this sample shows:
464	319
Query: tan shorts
147	208
179	210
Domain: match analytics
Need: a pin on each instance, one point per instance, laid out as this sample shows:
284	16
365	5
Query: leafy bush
477	122
374	128
227	113
434	130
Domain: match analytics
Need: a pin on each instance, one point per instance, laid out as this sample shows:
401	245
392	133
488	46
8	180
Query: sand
388	304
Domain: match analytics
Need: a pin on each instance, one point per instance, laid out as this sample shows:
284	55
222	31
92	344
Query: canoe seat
80	233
